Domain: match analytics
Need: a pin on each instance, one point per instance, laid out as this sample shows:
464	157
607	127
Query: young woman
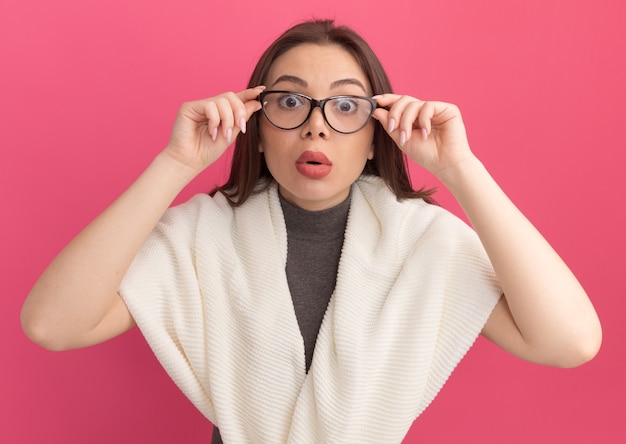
315	297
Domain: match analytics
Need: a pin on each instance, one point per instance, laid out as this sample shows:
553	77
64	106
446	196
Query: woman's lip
313	164
313	157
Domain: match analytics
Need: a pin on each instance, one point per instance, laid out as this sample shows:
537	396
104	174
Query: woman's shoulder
195	215
217	211
394	211
378	193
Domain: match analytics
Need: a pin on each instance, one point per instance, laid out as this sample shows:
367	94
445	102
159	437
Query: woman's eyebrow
342	82
336	84
291	79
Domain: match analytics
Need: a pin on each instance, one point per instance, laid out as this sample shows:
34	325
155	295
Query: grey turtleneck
314	242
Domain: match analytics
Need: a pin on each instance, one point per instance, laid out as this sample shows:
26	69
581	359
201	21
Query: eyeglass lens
345	114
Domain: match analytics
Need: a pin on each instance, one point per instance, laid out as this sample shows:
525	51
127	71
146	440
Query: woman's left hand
432	134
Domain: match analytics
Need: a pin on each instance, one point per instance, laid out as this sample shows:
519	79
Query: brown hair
249	173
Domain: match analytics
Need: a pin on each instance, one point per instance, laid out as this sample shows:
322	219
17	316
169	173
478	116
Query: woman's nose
316	124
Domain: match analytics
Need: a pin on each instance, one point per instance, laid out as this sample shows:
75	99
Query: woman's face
313	164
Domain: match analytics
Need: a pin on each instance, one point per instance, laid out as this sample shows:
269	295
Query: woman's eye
290	101
346	105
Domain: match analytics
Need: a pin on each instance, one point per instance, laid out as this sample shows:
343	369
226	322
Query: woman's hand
205	128
432	134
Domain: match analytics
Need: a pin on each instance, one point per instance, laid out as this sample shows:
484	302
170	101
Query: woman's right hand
205	128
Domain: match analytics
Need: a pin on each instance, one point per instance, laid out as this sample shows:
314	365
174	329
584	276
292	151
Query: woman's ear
260	148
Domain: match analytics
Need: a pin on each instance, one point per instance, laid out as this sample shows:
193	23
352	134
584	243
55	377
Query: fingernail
229	135
376	97
402	137
242	125
214	134
392	125
424	133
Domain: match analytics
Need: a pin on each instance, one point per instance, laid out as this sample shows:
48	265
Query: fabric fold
209	292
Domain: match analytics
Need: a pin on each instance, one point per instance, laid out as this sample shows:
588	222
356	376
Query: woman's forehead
305	64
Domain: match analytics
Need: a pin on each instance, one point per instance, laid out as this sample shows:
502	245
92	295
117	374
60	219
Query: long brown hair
249	173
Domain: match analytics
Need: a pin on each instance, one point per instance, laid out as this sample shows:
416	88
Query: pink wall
89	90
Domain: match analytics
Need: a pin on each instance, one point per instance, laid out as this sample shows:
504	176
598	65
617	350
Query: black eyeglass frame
321	104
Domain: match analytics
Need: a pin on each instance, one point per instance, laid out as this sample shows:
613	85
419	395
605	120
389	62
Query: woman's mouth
313	164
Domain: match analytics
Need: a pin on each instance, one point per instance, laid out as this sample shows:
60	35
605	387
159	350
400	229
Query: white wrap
209	293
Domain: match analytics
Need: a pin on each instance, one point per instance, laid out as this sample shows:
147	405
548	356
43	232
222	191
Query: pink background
88	93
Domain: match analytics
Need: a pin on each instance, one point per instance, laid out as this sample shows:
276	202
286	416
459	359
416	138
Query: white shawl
209	293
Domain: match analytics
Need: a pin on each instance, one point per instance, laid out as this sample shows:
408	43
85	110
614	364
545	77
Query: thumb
250	99
251	93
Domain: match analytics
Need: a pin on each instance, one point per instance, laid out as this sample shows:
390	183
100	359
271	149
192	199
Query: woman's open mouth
313	164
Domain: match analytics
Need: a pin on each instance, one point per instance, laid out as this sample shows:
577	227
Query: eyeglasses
289	110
